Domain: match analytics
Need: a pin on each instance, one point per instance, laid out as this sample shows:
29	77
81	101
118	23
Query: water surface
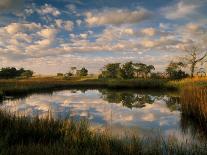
122	112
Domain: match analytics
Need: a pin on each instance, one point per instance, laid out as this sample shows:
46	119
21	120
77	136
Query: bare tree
193	57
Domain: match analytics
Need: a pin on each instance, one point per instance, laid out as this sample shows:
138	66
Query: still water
122	112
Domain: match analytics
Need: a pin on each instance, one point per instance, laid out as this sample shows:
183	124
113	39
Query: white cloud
18	27
115	33
49	33
84	35
48	9
180	10
116	17
149	31
67	25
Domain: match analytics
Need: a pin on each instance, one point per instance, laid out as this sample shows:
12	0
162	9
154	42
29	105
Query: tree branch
201	58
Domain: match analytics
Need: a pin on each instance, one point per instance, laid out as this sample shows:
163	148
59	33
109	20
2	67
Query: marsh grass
23	135
194	109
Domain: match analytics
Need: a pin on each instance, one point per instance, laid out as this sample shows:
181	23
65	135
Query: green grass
22	135
24	87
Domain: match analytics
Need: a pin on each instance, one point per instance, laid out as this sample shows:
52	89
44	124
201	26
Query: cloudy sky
50	36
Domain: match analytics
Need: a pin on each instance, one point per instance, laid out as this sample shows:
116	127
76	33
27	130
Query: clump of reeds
194	102
194	110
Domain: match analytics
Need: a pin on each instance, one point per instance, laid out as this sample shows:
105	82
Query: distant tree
193	57
127	70
69	74
143	70
12	72
174	70
82	72
111	70
139	69
59	74
8	72
27	73
149	69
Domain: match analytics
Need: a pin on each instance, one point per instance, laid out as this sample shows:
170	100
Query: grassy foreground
21	135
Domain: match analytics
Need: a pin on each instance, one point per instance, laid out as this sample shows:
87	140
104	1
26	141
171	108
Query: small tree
193	57
111	70
82	72
174	70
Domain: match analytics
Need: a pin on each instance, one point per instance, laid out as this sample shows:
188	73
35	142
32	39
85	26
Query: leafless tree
194	55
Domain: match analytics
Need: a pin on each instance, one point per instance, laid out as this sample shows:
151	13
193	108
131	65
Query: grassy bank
28	86
196	81
23	87
21	135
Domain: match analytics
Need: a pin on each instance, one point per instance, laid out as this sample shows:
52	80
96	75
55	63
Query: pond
121	112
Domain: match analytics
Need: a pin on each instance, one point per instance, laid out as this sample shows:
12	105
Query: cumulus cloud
180	10
114	33
48	9
49	33
116	16
19	27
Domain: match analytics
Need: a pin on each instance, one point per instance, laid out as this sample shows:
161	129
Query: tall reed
194	110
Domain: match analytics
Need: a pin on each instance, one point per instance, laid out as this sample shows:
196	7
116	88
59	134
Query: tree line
12	72
130	70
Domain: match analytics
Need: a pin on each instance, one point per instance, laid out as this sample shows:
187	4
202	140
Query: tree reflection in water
132	99
128	98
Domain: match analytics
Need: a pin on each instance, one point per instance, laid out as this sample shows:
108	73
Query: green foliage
12	72
111	71
82	72
143	70
174	70
127	70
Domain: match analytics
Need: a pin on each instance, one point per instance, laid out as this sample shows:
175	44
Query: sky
50	36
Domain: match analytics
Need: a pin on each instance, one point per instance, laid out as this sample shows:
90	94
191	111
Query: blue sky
50	36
